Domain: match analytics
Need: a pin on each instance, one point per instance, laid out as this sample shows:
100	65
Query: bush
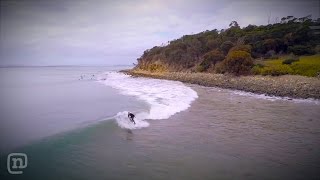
317	49
210	59
238	63
301	50
271	55
219	67
226	46
276	70
260	65
203	66
156	68
214	56
290	59
256	69
212	44
246	48
200	68
270	44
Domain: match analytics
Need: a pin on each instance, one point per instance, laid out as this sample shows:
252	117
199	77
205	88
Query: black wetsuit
131	117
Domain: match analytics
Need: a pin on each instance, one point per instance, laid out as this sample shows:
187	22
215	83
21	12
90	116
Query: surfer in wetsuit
131	117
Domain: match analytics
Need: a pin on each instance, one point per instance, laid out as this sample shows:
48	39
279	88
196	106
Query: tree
188	52
214	56
301	50
226	46
212	44
234	24
270	44
210	59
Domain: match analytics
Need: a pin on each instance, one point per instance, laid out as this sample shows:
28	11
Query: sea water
72	123
38	102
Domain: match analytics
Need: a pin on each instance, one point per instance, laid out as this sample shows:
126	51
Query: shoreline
292	86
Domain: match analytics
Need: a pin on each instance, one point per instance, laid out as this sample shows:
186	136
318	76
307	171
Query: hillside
233	50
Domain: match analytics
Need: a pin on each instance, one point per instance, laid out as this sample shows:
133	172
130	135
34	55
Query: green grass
306	66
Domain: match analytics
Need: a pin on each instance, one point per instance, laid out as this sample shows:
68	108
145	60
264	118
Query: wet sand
227	136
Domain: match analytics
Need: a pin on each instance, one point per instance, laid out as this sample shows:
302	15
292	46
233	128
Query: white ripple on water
275	98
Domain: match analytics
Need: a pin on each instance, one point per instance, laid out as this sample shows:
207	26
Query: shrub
212	44
260	65
271	55
256	69
301	50
219	68
214	56
246	48
270	44
200	68
209	59
276	70
292	58
156	67
238	62
226	46
317	49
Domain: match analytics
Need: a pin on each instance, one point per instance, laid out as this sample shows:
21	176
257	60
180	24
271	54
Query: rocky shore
285	86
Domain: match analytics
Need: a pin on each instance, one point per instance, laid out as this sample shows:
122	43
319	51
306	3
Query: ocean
71	123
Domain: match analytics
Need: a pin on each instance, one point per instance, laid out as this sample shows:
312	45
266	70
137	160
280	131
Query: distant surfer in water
131	117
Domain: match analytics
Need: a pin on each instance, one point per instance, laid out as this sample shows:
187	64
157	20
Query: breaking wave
164	97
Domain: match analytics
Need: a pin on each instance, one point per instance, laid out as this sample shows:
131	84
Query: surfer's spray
165	97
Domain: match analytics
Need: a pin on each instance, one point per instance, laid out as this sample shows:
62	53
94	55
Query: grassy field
305	66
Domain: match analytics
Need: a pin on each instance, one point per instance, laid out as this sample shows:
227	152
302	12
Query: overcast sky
103	32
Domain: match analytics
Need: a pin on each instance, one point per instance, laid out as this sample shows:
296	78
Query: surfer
131	117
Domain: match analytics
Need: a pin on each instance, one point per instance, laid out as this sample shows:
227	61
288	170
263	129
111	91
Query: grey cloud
117	32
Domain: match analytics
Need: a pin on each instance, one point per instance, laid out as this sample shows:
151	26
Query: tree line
233	49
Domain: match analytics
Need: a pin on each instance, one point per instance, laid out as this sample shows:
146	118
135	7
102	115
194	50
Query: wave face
165	97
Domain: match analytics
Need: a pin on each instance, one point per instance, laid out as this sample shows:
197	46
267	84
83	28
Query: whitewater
165	97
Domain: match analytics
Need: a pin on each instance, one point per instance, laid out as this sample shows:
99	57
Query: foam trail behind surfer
164	97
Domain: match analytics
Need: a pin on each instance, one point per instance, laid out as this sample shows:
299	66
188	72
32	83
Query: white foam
165	97
275	98
124	122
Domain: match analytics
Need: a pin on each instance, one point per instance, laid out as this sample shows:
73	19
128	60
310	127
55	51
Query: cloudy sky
105	32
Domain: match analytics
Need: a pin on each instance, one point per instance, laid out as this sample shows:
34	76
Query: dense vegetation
233	50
